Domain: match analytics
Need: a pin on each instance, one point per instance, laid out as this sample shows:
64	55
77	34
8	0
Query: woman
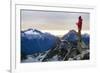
79	24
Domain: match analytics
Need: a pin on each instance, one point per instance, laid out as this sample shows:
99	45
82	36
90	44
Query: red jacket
79	23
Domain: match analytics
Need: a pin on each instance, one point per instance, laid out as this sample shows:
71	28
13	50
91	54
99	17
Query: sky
50	20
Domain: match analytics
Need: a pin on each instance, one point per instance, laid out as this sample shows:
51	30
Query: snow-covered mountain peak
32	32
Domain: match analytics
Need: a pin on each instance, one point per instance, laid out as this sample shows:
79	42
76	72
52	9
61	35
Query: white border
17	67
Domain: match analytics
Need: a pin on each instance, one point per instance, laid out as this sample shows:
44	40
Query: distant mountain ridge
33	40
